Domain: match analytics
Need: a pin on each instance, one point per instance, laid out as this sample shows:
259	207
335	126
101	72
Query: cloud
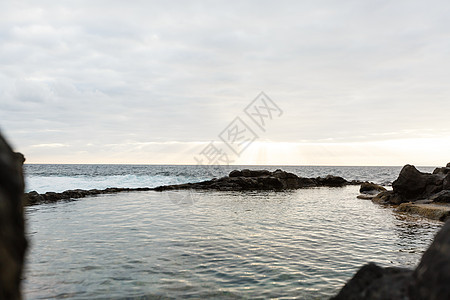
106	72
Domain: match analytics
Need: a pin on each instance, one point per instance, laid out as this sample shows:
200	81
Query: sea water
302	244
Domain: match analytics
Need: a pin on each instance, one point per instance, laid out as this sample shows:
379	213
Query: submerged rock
13	243
428	281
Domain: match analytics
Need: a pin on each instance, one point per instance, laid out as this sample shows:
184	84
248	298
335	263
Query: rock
374	282
446	182
431	278
13	243
432	211
235	173
388	197
241	180
366	196
428	281
371	188
34	198
443	170
448	165
330	180
412	184
442	197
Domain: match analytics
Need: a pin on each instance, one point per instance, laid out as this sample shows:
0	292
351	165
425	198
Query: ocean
302	244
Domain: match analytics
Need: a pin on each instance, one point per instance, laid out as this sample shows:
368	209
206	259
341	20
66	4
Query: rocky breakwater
34	198
430	280
12	227
427	194
242	180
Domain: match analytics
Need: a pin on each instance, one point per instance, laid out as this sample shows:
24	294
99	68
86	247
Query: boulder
428	281
374	282
388	197
431	278
13	243
412	184
371	188
331	180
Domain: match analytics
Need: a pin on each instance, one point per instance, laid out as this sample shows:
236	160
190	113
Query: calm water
230	245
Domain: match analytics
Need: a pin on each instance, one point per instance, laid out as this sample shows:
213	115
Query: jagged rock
412	184
428	281
13	243
259	180
442	197
371	188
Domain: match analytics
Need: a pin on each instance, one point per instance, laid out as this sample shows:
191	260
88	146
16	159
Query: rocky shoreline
238	180
425	194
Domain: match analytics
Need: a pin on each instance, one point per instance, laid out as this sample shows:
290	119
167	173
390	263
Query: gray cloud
81	72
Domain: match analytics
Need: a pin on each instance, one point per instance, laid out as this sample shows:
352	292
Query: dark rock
33	198
259	180
13	243
330	180
371	188
374	282
388	197
446	182
448	165
412	184
443	170
442	197
429	280
235	173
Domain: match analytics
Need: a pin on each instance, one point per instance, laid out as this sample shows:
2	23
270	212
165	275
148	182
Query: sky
160	82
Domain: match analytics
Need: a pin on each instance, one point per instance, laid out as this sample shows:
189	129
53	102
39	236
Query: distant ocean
226	245
57	178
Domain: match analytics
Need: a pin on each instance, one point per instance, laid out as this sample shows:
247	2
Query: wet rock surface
428	281
13	243
240	180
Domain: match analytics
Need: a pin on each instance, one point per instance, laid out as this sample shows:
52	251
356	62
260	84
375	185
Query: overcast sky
359	82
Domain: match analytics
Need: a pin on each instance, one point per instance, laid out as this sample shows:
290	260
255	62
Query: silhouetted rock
432	276
12	228
413	185
241	180
33	198
428	281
